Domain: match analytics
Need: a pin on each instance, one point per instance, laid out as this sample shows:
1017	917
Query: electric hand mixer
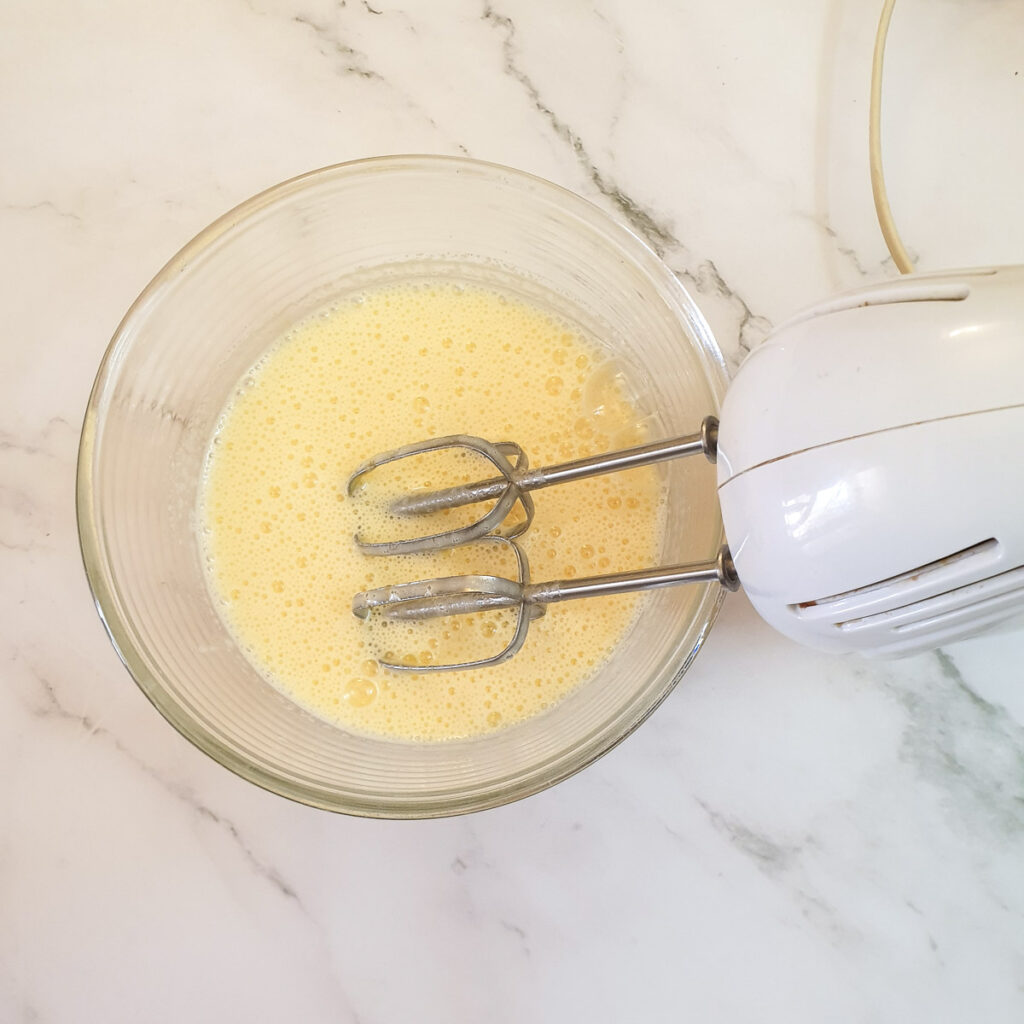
870	475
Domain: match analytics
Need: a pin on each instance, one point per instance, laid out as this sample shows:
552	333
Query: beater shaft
462	595
705	442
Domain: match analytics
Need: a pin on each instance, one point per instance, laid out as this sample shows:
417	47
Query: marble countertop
793	836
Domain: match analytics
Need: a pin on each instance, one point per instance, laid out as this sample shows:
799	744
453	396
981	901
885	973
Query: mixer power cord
882	209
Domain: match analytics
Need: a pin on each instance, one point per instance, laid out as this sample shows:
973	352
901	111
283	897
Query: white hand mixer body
871	465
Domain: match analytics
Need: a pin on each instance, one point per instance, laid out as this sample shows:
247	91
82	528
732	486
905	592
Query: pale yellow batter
382	369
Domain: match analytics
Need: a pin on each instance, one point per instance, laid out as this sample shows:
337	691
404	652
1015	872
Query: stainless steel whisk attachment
468	594
513	485
457	595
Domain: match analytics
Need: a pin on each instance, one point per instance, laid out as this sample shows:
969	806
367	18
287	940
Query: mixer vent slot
989	598
929	576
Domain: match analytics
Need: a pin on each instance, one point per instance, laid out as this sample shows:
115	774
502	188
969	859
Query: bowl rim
91	546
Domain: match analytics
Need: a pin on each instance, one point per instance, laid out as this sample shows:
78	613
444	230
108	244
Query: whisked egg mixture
378	370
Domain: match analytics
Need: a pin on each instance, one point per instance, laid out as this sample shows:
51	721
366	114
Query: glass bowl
203	321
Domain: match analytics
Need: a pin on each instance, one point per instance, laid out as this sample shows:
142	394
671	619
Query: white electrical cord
882	209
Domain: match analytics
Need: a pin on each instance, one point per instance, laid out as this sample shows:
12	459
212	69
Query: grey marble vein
657	231
850	254
969	747
782	863
350	61
771	857
658	234
519	933
844	250
622	78
752	328
43	204
12	442
51	707
27	533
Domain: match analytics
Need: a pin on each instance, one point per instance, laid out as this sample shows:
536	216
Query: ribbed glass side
208	316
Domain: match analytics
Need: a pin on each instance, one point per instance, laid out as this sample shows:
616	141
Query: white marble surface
792	837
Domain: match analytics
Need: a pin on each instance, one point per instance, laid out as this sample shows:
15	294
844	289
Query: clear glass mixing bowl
178	356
